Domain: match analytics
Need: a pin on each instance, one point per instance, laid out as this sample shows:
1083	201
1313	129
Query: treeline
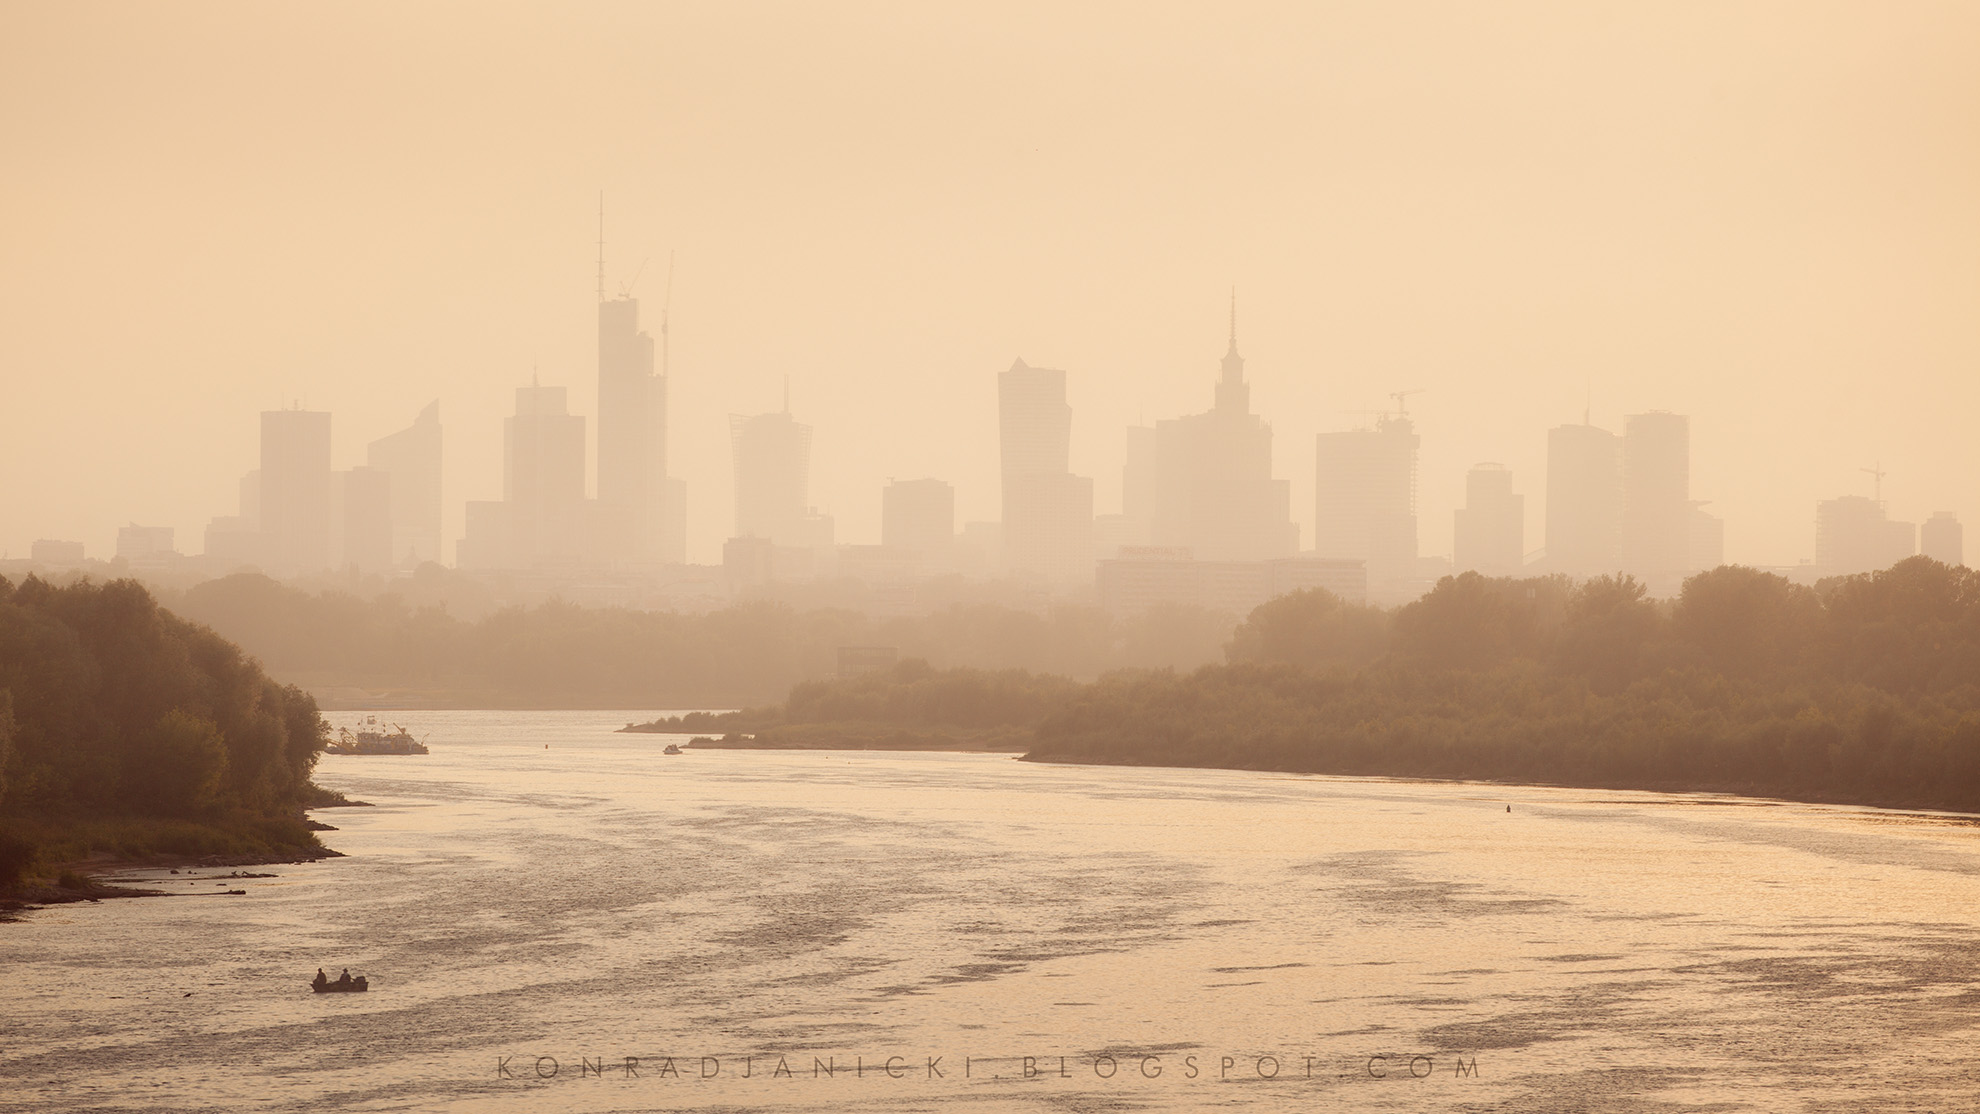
563	655
125	728
1862	689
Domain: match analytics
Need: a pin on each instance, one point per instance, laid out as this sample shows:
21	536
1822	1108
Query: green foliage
1865	689
1310	627
111	706
17	857
176	767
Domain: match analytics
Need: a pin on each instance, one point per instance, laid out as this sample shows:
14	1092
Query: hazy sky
1766	216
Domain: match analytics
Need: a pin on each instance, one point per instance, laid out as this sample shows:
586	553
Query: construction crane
1877	474
1402	406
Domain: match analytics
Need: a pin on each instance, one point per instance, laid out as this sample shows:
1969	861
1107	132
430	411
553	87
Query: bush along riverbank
129	736
1863	689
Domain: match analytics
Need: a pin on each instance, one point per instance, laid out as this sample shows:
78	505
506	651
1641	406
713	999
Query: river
553	916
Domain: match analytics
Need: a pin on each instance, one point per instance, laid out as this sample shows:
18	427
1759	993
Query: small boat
372	738
344	985
671	748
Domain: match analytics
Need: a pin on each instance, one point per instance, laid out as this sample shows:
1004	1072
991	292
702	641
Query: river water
557	917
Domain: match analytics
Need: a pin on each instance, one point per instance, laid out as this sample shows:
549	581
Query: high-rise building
1657	510
1138	478
364	502
1584	501
1942	539
295	493
919	516
1134	527
1048	511
1707	541
773	477
643	516
1489	532
53	551
1365	502
1214	491
543	478
140	544
1854	534
540	519
412	458
235	539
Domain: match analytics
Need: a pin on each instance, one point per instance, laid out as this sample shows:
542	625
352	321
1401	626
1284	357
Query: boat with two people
342	984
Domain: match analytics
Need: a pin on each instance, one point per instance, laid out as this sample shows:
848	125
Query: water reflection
1149	939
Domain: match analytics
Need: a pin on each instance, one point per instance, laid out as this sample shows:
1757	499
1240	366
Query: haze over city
1758	216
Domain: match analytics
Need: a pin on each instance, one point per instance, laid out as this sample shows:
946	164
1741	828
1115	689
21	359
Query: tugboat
671	748
373	739
343	984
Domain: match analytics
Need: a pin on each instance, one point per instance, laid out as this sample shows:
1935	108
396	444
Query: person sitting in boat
321	979
345	978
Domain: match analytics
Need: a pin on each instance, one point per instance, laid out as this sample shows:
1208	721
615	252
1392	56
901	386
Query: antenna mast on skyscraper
601	245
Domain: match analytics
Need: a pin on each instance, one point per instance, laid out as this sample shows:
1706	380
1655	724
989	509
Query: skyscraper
1942	539
540	520
1365	501
412	458
1657	510
773	477
643	510
1584	501
1214	491
1707	541
1489	532
1854	534
1048	511
295	492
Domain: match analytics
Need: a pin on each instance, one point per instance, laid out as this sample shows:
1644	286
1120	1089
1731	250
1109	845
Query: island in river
1863	690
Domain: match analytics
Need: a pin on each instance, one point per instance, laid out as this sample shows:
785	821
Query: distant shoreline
1716	789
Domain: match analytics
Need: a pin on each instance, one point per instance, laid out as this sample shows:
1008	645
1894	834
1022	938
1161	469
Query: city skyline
1699	229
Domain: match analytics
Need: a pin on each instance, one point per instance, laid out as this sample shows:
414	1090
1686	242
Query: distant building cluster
296	514
1203	522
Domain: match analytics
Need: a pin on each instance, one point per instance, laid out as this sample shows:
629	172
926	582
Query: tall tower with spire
1233	393
1214	491
640	517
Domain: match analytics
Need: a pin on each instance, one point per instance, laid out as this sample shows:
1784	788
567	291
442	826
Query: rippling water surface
540	900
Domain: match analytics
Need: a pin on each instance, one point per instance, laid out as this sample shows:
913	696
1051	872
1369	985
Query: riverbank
98	879
77	859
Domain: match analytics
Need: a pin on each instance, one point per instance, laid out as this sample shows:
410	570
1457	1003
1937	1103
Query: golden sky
1765	215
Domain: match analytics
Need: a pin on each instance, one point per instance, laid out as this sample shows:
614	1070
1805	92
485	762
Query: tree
1609	620
1310	627
1462	623
1746	623
177	767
